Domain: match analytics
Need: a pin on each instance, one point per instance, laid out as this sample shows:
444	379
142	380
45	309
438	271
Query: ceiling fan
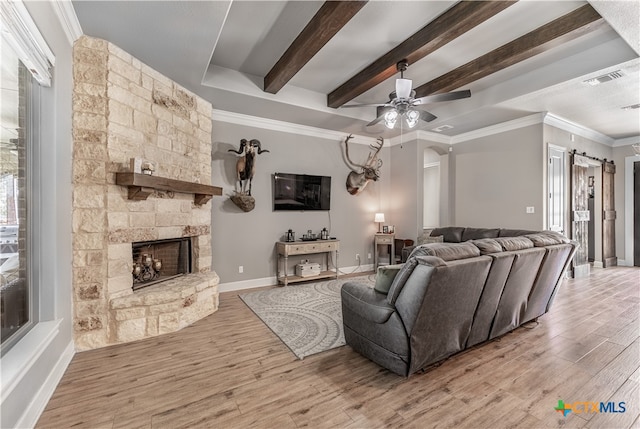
402	103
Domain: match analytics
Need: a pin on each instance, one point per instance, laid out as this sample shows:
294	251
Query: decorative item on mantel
245	170
141	166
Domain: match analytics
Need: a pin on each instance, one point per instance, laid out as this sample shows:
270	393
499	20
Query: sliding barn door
609	258
580	214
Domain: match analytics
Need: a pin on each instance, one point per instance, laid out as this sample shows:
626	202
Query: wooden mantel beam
568	27
456	21
330	18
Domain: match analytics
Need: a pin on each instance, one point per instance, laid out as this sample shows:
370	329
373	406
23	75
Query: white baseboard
270	281
33	411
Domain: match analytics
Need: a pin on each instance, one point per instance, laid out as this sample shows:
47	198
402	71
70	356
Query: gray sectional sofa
477	285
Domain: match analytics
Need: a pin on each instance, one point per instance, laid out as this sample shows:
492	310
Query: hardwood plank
629	393
230	370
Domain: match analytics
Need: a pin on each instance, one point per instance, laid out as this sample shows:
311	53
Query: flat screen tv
301	192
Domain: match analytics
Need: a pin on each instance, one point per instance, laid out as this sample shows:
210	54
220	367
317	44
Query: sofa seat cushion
477	233
487	246
367	302
514	243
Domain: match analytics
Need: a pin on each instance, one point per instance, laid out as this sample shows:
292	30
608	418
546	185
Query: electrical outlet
357	256
531	210
240	269
368	255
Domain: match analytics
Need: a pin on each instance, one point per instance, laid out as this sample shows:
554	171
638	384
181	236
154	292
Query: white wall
33	367
248	239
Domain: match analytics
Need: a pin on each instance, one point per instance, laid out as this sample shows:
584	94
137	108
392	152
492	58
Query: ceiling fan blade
447	96
364	105
426	116
380	112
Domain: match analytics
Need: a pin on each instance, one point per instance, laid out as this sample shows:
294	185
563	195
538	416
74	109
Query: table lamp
379	218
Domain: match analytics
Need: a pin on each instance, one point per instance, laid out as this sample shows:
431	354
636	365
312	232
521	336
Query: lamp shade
403	88
379	217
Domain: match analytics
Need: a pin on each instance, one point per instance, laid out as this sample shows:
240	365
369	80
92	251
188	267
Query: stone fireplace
122	109
160	260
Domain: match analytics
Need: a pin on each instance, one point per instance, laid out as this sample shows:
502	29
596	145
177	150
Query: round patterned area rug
306	317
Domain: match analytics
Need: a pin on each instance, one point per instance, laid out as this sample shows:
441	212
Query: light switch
531	210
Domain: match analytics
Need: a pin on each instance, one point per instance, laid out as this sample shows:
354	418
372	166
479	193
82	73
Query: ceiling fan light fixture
390	119
412	118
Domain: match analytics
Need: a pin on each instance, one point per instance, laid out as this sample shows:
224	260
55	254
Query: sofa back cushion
547	238
477	233
487	246
405	272
504	232
451	234
447	251
438	313
510	244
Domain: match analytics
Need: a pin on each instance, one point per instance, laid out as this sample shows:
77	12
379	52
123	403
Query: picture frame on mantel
385	229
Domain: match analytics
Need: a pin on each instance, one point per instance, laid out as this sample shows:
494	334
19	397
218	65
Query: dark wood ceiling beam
568	27
330	18
457	20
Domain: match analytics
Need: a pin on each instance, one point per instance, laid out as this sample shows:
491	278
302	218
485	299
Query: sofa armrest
364	301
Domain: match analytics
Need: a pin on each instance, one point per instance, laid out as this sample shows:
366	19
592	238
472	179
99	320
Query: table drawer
384	240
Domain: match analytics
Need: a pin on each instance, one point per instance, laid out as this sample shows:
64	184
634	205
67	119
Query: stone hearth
123	109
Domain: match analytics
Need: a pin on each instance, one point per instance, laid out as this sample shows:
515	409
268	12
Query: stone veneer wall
124	109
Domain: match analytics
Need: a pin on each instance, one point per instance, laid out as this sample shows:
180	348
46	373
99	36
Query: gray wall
248	239
497	177
23	403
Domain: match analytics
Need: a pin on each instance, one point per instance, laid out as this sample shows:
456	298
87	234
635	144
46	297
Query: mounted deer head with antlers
361	174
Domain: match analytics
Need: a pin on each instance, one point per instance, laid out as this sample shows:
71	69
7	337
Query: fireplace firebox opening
160	260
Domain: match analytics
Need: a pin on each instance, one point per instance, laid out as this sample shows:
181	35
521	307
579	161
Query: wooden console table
286	249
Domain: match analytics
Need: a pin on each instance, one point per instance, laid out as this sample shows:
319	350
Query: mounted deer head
361	174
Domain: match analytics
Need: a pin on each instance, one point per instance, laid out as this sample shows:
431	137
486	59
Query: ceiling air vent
605	78
441	128
632	107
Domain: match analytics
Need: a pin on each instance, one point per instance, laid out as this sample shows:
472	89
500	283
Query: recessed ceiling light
605	78
441	128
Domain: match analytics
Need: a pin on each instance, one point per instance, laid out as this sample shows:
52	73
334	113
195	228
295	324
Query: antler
373	157
243	143
256	143
346	151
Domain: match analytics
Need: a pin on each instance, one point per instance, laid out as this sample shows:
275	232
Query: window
15	292
25	65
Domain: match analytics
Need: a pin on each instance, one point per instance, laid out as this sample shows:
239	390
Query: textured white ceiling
234	44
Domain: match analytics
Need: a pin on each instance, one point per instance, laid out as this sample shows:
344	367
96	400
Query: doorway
431	190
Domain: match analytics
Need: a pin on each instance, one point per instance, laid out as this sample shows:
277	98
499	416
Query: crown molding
285	127
514	124
572	127
626	141
67	16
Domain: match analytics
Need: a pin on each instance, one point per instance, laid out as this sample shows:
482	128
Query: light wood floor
230	371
